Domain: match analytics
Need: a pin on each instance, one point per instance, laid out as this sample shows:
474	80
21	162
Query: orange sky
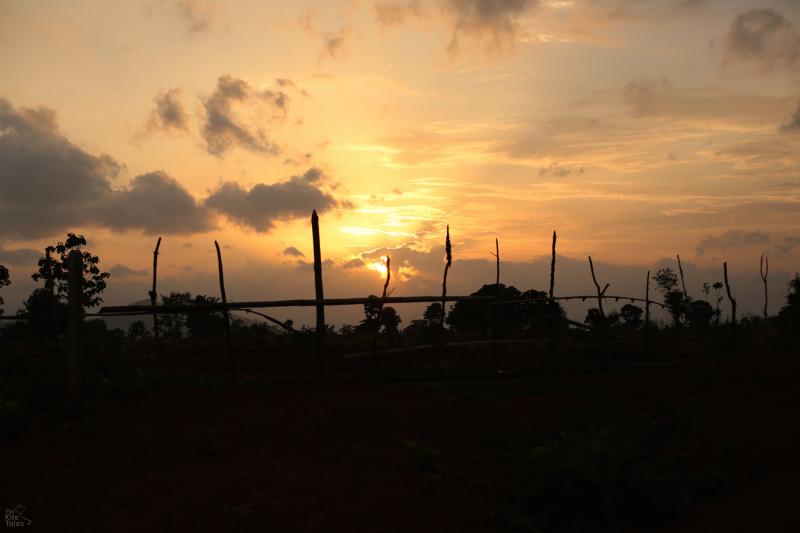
637	128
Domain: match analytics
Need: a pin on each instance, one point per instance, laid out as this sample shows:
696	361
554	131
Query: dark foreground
717	436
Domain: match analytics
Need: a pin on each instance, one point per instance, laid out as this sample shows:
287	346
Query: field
700	442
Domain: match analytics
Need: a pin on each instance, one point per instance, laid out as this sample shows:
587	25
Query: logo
16	517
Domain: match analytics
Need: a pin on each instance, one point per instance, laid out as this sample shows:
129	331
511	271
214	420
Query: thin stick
728	290
683	283
647	309
228	349
448	250
496	254
600	292
275	321
153	293
764	274
75	324
551	323
553	267
318	290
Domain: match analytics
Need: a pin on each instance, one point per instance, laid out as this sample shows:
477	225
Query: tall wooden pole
600	292
728	290
448	250
647	309
683	283
551	326
553	266
228	347
319	293
495	357
764	274
75	323
153	293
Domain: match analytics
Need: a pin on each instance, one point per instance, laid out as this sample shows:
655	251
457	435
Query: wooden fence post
319	293
228	348
552	303
764	274
75	324
600	293
683	283
448	250
647	310
495	337
730	297
153	293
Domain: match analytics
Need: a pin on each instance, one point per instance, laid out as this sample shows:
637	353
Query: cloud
50	185
169	114
787	245
224	130
792	125
122	271
154	203
762	38
291	251
642	94
333	41
261	206
353	263
47	182
197	15
391	13
19	256
481	18
732	239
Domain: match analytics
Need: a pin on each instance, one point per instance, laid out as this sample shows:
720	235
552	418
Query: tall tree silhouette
54	271
4	282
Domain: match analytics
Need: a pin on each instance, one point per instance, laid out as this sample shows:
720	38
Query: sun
378	266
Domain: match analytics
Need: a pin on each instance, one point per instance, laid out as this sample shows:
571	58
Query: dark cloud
642	95
47	182
793	124
732	239
169	114
291	251
122	271
353	263
49	185
197	15
223	129
263	205
558	171
153	203
19	256
762	38
494	19
390	13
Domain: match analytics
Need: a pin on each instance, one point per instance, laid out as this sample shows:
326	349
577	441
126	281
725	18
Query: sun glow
378	266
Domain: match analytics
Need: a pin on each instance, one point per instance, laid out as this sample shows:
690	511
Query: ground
402	456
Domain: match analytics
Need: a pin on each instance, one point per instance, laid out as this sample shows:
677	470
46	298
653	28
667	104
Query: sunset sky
638	129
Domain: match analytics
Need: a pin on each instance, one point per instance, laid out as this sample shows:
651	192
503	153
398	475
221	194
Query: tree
137	330
631	315
173	324
790	313
4	282
466	316
667	281
44	312
390	320
205	323
433	313
699	313
371	322
54	271
539	310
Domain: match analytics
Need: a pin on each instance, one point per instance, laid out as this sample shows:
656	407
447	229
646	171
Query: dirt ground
339	456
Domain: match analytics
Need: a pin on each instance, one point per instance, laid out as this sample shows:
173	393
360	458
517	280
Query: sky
638	129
